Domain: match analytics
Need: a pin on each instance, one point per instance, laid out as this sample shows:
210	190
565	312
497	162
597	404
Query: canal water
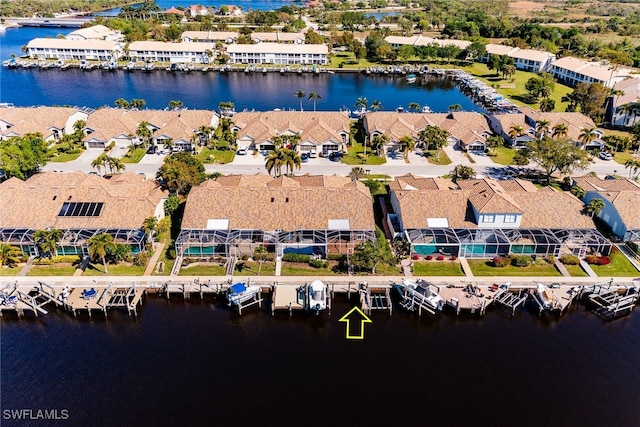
205	90
198	363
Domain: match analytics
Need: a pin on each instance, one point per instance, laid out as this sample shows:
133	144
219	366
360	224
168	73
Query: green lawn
135	156
619	267
302	269
9	271
61	269
65	157
439	158
97	269
437	268
576	271
355	156
207	155
621	157
348	60
503	156
484	267
250	268
202	270
520	79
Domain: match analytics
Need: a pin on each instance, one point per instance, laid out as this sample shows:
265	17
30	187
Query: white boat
426	109
411	78
421	293
317	296
239	293
546	297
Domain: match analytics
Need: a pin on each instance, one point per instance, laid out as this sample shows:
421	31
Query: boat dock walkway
505	297
562	297
286	297
470	298
102	297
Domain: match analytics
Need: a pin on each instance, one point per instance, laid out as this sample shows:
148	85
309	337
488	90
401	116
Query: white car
605	155
243	151
313	153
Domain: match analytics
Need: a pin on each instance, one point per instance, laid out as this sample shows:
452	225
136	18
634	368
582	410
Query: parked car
605	155
335	156
304	157
242	151
313	153
152	149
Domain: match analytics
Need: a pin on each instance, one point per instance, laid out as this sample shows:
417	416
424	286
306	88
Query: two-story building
572	71
278	53
174	53
523	59
51	122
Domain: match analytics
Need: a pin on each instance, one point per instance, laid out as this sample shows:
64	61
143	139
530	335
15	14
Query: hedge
294	257
570	260
501	261
521	260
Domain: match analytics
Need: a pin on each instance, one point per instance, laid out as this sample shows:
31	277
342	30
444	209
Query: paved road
252	164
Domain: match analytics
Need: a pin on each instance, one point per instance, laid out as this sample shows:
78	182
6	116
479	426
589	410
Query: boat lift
412	300
509	299
377	298
611	303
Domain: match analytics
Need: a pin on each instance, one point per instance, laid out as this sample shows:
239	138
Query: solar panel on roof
84	209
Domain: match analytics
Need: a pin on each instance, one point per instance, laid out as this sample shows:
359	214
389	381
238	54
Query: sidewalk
154	259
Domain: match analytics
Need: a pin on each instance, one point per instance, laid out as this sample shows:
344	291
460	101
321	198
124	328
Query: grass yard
484	267
348	60
437	158
503	156
355	156
60	269
250	268
437	268
304	269
619	267
576	271
207	155
134	156
621	157
517	93
202	269
97	269
65	157
10	271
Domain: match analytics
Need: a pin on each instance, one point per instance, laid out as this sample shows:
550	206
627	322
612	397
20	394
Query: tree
542	128
260	254
515	132
361	103
144	133
595	206
560	155
9	254
547	105
559	131
356	173
180	172
508	70
226	108
494	142
379	141
171	204
23	156
455	107
137	104
291	159
592	99
587	136
300	95
633	166
114	164
376	105
463	172
578	191
99	162
366	256
407	145
122	103
48	240
175	105
313	96
274	162
414	107
99	246
150	226
433	136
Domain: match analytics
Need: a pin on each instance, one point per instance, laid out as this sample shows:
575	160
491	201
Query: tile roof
594	183
72	44
35	203
624	194
210	35
35	119
268	47
267	203
595	70
488	197
575	122
170	47
313	126
552	209
631	89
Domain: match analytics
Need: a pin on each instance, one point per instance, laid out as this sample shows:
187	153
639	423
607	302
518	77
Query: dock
288	297
195	286
375	298
562	298
102	298
469	298
505	297
612	303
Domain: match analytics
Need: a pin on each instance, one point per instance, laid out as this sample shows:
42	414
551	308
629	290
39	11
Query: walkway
587	268
466	268
154	259
562	269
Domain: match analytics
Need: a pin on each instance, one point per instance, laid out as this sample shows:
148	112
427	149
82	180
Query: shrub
318	263
592	259
170	253
335	257
604	260
43	261
521	260
429	257
270	257
501	261
245	257
415	257
570	260
550	259
141	259
453	258
634	247
110	146
440	258
66	258
294	257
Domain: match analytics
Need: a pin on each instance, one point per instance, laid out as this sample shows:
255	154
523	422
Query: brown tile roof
35	119
413	182
552	209
313	126
627	203
594	183
417	206
35	203
264	203
575	122
488	197
624	194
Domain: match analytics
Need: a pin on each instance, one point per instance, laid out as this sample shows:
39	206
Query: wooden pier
195	286
375	298
562	297
470	298
613	303
507	298
102	298
288	297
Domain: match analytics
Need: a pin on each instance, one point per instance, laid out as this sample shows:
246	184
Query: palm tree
204	133
300	94
376	105
508	71
547	105
99	162
379	141
9	254
494	142
578	191
542	128
414	106
149	226
560	131
362	103
226	108
587	136
291	159
356	173
595	206
455	107
407	144
47	241
99	246
573	99
274	162
115	164
463	172
143	132
633	166
433	136
515	132
260	255
313	96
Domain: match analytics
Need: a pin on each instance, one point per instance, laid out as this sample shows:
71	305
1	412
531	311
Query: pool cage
632	236
74	241
490	242
583	241
198	243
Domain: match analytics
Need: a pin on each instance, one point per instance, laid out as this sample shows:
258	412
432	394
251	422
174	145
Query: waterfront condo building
523	59
81	206
154	51
88	50
235	214
483	218
572	71
278	53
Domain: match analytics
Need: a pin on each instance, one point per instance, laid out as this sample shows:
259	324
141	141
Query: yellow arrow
355	311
